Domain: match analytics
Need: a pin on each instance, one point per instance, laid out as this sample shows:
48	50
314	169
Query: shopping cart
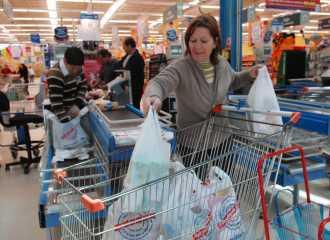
26	97
302	221
102	208
316	94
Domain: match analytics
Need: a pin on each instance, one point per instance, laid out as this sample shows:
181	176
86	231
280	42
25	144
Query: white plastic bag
125	220
69	139
262	97
203	211
150	159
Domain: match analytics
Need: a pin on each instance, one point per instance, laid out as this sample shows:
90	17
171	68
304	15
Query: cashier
201	79
108	66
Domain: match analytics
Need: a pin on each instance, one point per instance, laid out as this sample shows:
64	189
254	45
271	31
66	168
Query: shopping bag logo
135	226
202	222
228	216
69	132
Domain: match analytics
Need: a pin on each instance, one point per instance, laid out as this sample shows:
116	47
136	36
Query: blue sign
89	16
35	38
171	34
61	33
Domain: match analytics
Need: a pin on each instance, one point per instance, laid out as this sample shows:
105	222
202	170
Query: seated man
66	86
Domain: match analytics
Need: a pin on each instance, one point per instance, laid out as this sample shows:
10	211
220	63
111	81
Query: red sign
306	5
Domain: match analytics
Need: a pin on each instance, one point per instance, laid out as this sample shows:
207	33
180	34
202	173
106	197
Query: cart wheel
13	153
26	169
36	152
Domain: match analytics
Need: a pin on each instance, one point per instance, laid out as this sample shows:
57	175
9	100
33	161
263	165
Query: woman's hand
255	70
151	101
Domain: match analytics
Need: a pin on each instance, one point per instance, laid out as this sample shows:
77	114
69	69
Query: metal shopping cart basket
26	97
183	205
302	221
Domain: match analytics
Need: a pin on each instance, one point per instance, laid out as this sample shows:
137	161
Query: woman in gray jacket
201	79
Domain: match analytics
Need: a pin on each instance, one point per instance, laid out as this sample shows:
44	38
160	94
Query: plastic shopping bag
262	97
203	210
69	139
150	158
126	221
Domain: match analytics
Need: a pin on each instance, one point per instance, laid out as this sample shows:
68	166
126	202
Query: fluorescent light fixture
122	21
29	10
260	9
52	12
311	27
140	13
88	1
210	6
44	19
111	11
319	13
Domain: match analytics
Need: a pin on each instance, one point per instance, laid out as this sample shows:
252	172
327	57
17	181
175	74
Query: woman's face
201	45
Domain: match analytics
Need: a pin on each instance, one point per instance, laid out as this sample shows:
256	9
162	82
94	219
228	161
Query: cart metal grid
208	145
303	220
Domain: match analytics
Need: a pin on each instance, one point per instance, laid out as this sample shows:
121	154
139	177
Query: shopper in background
6	70
66	85
108	66
23	72
201	79
134	62
31	74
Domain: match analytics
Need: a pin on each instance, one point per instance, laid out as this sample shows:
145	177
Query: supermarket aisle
19	198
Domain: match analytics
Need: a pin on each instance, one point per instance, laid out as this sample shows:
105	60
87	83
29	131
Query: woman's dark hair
129	41
209	22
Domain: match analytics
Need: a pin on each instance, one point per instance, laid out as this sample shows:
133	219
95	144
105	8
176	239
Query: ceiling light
209	6
52	12
122	21
29	10
319	13
88	1
111	11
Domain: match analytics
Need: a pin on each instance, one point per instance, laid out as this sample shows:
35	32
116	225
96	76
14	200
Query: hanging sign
89	28
324	23
61	34
248	14
35	38
173	13
295	19
305	5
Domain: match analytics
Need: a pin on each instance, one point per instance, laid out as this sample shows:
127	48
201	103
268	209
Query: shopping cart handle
59	175
295	117
322	228
92	205
217	108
